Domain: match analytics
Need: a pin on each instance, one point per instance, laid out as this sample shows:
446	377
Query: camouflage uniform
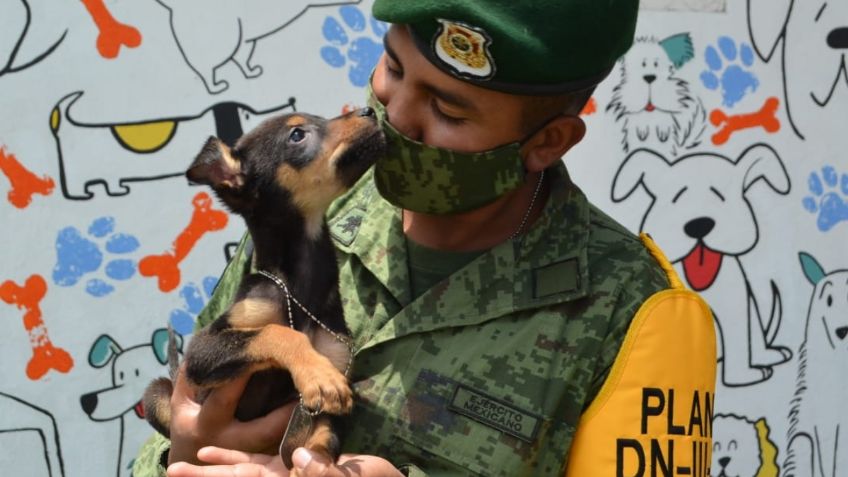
489	371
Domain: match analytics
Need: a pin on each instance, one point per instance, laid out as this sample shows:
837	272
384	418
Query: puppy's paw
324	387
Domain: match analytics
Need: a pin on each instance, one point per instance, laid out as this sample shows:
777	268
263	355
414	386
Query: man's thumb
309	464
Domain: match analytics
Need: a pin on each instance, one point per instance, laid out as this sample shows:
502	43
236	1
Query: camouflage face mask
432	180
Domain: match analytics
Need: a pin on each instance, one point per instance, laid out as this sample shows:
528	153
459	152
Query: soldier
488	299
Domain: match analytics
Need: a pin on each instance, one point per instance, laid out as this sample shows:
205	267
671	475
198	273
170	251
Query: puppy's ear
760	161
215	166
642	166
767	25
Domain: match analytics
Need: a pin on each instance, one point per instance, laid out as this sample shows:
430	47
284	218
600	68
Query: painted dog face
814	52
647	81
699	211
827	321
303	160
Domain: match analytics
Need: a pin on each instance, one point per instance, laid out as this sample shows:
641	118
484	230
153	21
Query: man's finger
311	465
218	455
182	469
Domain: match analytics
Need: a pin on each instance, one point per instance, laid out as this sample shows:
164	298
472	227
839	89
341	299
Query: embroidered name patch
495	413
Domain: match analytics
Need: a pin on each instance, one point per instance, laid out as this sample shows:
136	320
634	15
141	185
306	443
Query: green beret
540	47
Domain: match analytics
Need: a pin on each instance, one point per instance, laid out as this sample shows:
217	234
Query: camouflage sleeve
410	470
632	292
154	453
149	461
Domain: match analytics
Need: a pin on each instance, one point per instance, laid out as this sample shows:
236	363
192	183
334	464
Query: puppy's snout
724	461
366	112
699	228
649	78
842	332
838	38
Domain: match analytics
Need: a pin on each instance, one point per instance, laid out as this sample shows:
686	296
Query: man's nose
403	114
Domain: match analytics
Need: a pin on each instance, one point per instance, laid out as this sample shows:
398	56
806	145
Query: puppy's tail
776	315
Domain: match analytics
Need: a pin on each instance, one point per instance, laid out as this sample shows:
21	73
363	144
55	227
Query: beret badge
465	49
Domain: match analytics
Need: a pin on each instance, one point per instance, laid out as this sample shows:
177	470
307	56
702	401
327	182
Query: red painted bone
165	267
45	356
766	118
112	33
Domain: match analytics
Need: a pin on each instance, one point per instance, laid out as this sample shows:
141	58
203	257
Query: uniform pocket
471	430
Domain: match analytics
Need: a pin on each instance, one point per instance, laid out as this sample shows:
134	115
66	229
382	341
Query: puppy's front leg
321	385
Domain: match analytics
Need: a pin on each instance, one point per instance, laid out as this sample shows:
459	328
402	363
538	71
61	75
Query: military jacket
489	371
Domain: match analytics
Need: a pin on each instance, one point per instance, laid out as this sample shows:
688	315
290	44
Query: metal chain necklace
530	208
291	298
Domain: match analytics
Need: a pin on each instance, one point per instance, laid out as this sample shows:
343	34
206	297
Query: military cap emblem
465	49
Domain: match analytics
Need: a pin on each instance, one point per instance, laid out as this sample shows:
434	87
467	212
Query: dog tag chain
301	421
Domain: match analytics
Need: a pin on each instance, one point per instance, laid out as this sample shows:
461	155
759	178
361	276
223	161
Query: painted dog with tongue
702	219
286	325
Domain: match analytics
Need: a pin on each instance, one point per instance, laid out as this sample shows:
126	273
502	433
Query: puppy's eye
732	445
297	135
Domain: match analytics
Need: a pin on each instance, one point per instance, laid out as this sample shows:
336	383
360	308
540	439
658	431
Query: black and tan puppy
280	178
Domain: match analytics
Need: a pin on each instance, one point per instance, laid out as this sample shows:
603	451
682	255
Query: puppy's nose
724	461
649	78
366	111
699	228
842	332
838	38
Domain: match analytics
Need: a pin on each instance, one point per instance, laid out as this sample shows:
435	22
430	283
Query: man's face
430	106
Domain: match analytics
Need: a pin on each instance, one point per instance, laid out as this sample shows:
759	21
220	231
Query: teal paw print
363	51
727	70
182	319
828	197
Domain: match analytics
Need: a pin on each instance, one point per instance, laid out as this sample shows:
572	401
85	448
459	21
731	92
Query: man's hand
230	463
195	425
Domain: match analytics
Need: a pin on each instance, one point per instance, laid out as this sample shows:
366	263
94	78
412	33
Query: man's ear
550	143
214	166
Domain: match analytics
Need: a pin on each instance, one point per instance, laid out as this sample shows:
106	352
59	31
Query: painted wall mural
721	133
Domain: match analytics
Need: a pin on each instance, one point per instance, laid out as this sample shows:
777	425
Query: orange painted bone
24	183
45	356
166	266
112	33
766	118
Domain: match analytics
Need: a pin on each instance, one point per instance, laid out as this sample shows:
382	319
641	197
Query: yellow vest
653	416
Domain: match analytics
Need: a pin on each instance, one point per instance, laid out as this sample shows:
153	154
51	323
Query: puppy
280	178
654	106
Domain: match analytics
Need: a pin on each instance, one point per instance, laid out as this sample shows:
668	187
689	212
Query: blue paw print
735	81
829	197
182	320
362	52
79	255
